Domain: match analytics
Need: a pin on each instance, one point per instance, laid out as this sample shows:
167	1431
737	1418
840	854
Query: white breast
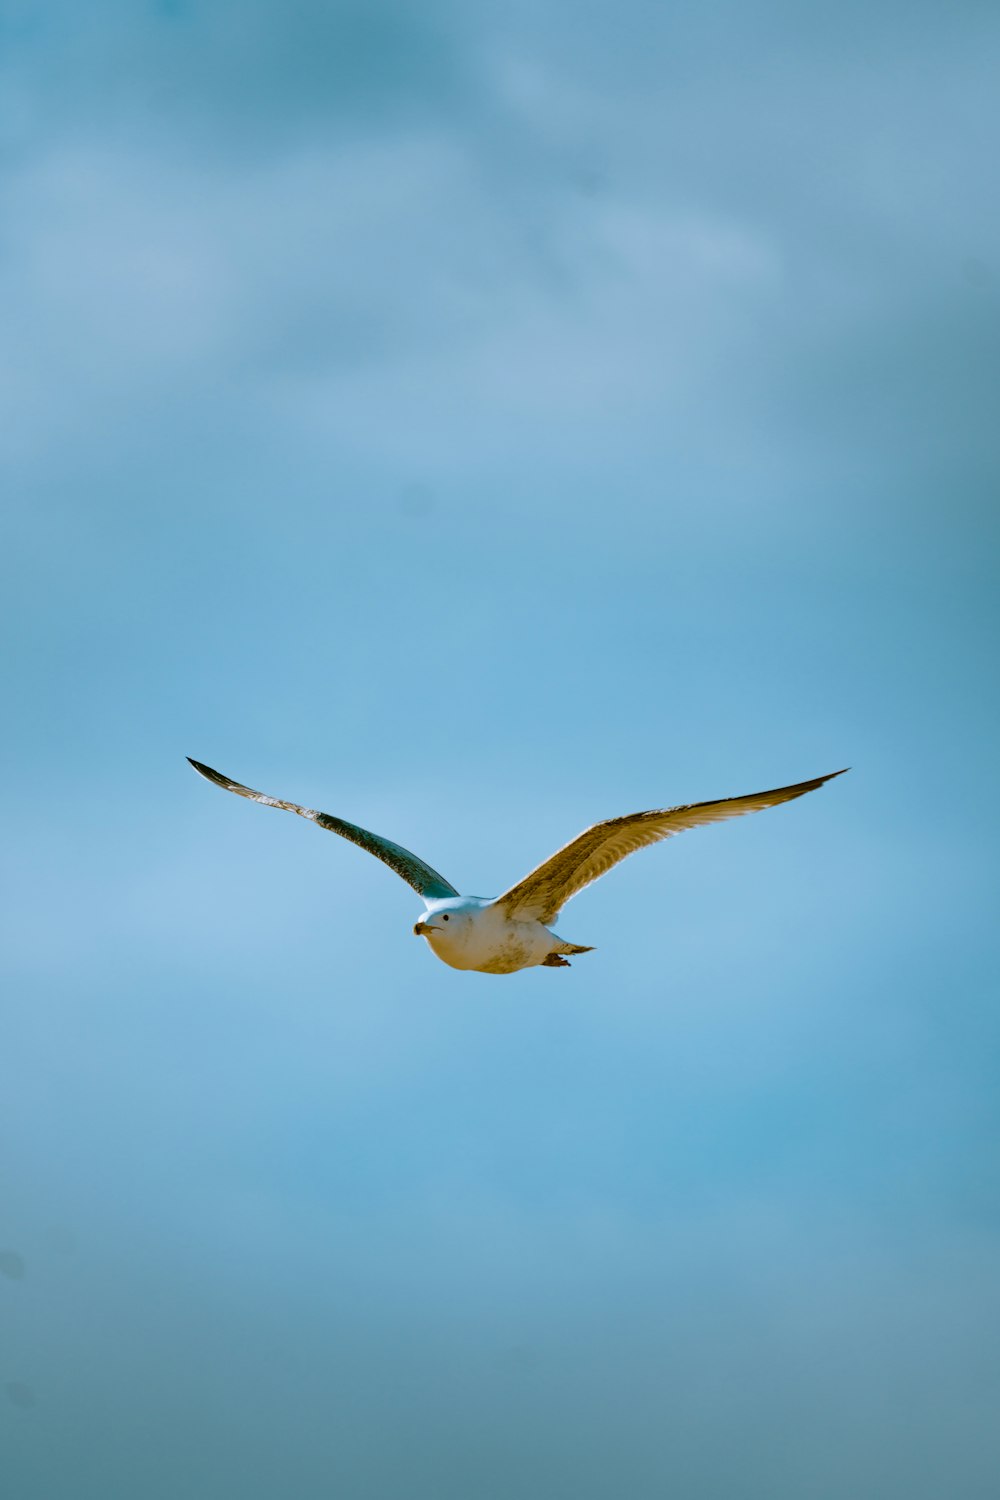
487	942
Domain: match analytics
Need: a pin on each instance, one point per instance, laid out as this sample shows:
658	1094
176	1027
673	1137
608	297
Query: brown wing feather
546	890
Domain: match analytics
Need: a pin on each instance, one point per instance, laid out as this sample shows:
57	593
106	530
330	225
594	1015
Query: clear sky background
476	420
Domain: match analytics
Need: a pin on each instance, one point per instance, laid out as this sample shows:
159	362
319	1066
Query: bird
507	933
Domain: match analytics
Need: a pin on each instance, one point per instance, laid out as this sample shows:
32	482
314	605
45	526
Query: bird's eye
445	917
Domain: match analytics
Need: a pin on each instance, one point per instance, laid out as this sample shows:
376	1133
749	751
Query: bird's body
510	932
474	932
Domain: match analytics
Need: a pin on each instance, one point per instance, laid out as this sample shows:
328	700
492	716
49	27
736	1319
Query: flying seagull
503	934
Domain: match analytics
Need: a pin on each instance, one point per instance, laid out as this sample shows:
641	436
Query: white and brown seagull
499	935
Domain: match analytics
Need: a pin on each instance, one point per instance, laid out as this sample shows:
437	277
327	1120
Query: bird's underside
513	931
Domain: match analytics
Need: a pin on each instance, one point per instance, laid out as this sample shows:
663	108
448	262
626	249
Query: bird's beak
422	927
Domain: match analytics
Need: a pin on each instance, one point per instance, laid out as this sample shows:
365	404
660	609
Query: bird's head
447	924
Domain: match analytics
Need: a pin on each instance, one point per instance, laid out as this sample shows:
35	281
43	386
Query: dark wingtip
206	771
818	781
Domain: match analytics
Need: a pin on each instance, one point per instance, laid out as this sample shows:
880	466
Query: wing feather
547	888
425	881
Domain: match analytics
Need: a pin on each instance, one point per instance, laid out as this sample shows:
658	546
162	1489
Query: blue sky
476	421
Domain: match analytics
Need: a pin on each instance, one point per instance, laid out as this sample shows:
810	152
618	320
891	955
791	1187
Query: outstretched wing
425	881
546	890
